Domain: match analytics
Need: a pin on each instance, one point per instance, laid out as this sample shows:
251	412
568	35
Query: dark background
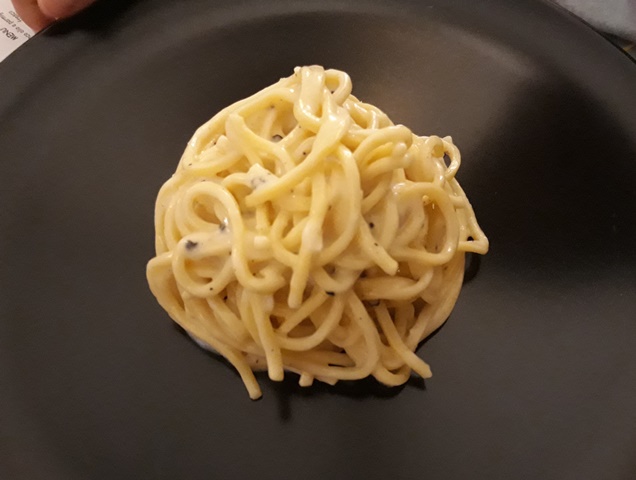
534	374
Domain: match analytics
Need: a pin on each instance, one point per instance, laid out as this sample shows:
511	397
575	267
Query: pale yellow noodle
304	231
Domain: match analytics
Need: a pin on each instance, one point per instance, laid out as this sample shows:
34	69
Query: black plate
534	374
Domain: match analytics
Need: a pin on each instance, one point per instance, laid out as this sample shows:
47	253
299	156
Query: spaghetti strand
305	232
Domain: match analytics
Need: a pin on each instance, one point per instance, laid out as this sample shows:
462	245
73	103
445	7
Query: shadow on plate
471	267
101	17
289	390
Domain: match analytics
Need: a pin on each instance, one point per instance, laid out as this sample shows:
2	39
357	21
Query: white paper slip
13	31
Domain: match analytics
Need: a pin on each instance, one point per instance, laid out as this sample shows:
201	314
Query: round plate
534	373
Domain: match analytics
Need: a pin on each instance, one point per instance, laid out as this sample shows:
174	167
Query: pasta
304	231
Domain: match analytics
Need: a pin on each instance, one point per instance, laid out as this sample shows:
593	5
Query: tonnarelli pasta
304	231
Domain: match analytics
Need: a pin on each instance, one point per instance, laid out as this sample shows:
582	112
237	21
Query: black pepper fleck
375	244
222	227
225	298
371	225
331	294
190	245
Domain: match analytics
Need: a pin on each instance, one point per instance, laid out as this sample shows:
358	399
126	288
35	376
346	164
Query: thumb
30	13
62	8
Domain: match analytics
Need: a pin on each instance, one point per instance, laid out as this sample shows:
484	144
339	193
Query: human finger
30	13
62	8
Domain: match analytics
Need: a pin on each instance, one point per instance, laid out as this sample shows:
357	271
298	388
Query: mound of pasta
304	231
